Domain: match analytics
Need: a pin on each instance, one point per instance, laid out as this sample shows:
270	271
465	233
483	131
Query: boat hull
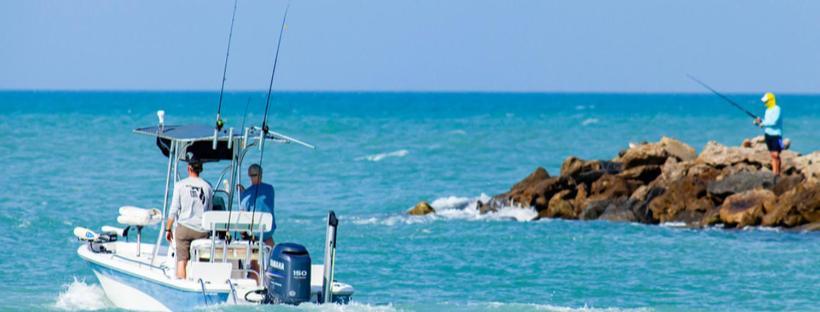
132	293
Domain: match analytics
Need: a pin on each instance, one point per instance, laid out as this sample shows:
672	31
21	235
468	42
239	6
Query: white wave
589	121
351	307
458	132
674	224
80	296
455	208
380	156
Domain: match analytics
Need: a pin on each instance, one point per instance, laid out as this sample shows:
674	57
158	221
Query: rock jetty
667	181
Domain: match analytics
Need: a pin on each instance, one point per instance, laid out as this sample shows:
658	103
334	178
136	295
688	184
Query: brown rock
795	207
583	171
677	149
684	200
786	183
747	208
421	209
560	206
612	186
620	210
644	174
741	182
642	155
536	176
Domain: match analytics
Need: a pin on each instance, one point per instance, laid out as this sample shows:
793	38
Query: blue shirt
263	201
772	123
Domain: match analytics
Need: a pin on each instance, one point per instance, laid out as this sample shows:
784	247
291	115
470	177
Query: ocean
70	159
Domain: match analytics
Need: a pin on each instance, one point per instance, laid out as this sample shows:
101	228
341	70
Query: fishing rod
265	118
723	97
238	176
219	122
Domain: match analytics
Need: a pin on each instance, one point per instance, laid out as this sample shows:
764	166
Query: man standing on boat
258	197
772	125
192	197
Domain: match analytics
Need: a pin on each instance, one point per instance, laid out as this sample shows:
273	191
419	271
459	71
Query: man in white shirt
192	197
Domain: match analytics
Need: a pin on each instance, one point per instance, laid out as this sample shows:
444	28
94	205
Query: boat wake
455	208
82	296
380	156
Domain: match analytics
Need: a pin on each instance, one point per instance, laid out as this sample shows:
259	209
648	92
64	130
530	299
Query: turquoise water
70	159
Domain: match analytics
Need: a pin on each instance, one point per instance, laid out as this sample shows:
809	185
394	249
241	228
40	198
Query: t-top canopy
184	132
200	138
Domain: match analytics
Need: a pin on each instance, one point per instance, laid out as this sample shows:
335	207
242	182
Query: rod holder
230	137
216	133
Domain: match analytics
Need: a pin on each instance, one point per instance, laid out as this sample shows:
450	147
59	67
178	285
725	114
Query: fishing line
722	96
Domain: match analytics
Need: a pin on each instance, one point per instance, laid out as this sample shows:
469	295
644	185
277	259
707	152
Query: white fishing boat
141	276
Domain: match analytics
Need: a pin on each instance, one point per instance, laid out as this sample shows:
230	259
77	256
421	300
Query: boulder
536	176
719	156
421	209
741	182
612	186
677	149
583	171
644	174
656	153
594	209
786	183
746	208
683	200
620	210
642	155
809	165
798	206
560	206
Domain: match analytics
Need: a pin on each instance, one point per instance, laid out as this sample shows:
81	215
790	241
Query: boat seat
236	250
130	215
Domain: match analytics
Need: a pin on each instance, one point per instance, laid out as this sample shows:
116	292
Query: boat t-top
141	276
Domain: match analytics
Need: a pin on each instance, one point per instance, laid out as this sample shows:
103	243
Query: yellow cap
769	99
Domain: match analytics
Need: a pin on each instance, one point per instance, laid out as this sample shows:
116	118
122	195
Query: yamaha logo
277	265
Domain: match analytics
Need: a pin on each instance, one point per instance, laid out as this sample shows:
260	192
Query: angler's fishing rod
722	96
265	118
219	122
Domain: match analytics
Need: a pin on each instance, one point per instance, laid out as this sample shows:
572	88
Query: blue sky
452	45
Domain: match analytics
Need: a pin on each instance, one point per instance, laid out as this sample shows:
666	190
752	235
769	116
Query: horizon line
330	91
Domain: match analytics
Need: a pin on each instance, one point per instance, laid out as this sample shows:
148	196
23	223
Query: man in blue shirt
258	197
772	125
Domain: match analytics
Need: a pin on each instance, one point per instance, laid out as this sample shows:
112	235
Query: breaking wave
589	121
81	296
456	208
380	156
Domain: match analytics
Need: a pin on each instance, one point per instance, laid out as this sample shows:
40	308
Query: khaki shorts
183	238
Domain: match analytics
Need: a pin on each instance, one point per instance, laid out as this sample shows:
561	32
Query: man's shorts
183	238
774	143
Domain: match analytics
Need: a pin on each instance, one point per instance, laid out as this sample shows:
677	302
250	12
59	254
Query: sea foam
81	296
380	156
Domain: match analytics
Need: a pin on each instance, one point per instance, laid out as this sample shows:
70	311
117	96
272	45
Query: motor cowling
288	274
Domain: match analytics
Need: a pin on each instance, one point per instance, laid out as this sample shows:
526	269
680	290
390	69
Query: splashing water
81	296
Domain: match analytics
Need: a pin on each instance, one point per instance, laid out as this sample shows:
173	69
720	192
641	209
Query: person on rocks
772	124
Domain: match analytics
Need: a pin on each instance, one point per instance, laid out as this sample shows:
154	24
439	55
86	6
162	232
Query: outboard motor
288	274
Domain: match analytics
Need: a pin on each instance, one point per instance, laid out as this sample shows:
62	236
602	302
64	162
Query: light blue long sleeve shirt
262	199
772	122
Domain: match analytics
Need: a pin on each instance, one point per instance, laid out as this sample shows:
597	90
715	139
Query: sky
422	45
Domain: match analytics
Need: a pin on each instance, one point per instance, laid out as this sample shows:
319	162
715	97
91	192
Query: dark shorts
774	143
